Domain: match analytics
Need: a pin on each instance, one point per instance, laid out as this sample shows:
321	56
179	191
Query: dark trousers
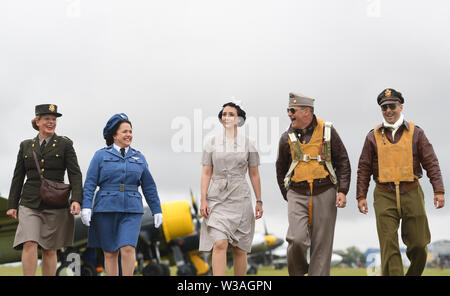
414	231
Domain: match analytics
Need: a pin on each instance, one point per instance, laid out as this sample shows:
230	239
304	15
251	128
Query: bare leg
49	261
111	263
29	258
240	261
128	255
219	257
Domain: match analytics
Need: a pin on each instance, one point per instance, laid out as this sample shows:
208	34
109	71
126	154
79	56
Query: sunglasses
391	106
292	110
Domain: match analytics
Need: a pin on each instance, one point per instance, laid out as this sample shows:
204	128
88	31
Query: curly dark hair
113	132
240	113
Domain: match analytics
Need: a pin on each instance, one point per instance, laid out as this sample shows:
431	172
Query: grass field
263	271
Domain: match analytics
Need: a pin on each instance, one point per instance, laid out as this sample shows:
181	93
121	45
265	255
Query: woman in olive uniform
40	224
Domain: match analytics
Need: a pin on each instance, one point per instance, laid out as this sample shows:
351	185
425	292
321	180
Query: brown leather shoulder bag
53	193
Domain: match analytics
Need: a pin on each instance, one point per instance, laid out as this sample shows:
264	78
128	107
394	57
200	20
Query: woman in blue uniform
118	170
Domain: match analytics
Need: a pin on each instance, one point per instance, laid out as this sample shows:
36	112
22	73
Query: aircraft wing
4	220
8	228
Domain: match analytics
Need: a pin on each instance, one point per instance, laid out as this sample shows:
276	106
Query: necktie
122	151
43	145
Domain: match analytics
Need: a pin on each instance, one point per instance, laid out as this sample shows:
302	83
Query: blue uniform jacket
119	178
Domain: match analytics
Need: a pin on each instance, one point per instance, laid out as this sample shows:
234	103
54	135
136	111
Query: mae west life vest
395	161
312	160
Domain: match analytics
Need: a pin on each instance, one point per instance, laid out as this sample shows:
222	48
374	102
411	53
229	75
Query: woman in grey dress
229	220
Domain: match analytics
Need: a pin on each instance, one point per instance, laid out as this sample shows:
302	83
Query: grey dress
231	217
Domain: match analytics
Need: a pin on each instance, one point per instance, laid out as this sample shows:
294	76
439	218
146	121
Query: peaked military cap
112	122
390	96
297	99
47	109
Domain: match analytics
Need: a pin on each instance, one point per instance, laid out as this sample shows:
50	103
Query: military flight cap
390	96
297	99
47	109
112	122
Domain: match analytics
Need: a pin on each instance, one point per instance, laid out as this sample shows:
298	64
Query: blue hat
112	123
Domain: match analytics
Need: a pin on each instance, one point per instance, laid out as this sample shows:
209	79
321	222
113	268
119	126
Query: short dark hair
113	132
240	113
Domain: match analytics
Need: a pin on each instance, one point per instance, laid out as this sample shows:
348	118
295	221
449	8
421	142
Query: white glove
86	216
158	218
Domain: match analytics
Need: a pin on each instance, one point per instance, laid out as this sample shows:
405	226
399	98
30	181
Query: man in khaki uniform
313	172
394	153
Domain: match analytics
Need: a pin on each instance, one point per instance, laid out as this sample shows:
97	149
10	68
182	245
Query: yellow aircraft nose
269	240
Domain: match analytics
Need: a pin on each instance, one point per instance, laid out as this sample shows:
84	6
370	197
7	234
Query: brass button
42	160
26	156
54	145
42	170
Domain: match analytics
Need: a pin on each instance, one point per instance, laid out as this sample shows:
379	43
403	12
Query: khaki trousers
414	230
318	237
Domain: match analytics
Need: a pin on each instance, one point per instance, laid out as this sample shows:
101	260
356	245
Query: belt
224	180
304	184
119	187
405	187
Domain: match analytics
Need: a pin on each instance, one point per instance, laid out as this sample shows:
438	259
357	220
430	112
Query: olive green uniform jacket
57	157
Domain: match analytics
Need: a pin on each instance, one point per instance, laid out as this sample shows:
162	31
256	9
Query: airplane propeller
194	204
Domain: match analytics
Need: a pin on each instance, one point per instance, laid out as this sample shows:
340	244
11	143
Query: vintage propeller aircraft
177	240
174	244
263	246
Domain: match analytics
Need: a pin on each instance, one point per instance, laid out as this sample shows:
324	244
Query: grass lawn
263	271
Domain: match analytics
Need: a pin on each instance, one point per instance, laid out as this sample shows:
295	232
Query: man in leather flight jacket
394	153
312	193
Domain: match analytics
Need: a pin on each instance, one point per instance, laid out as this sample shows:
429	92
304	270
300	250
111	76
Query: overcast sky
169	62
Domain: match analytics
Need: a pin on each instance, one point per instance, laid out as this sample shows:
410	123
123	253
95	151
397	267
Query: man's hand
341	200
362	205
439	200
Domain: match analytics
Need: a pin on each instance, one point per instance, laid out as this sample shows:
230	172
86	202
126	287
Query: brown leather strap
397	197
38	168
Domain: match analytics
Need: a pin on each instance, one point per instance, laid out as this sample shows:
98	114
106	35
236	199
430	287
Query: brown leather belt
317	189
404	186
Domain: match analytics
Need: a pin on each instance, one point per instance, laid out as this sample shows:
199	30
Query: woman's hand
258	211
86	216
12	213
75	208
158	219
204	209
